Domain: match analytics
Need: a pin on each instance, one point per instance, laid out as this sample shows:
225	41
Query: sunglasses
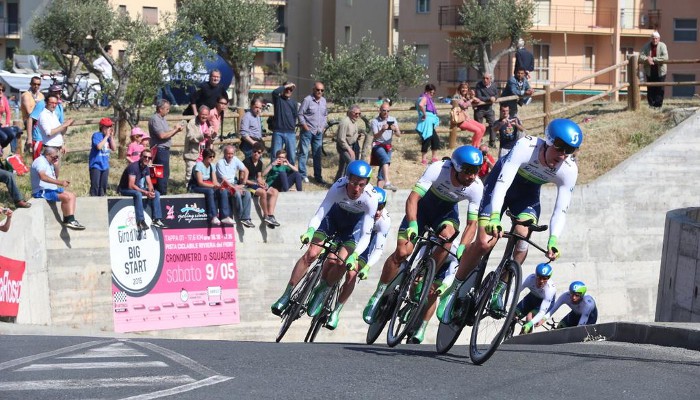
258	152
384	110
223	103
320	90
2	90
469	169
147	158
562	147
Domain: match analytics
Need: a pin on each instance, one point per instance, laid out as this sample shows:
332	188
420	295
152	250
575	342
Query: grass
612	135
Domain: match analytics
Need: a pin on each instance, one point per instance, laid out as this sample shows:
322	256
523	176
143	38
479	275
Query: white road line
73	384
26	360
114	350
212	380
178	358
93	365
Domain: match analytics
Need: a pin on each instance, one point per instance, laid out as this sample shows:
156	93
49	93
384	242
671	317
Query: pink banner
11	272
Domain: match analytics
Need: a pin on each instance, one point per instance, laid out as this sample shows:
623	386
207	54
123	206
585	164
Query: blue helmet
577	287
382	195
566	130
544	270
464	156
359	168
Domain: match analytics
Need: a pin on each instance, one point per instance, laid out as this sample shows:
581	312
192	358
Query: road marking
26	360
114	350
212	380
93	365
179	358
72	384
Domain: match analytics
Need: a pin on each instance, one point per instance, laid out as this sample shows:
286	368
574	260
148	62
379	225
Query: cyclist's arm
469	233
588	307
561	300
382	233
367	225
544	307
333	195
561	205
520	155
431	174
472	213
412	206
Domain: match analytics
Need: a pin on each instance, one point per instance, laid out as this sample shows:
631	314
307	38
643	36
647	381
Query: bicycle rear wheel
329	135
410	303
448	334
384	309
320	320
491	324
299	298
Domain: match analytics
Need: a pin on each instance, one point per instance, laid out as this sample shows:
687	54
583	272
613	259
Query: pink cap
138	132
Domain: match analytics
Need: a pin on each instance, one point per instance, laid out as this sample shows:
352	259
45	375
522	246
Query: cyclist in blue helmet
347	211
534	306
514	184
433	201
583	307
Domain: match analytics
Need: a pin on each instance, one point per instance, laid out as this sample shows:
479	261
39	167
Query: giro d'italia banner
11	272
182	276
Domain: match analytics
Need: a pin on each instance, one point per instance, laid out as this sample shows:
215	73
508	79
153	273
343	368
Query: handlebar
434	237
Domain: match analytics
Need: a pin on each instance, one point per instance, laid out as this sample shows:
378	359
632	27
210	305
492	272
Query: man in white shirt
51	129
105	67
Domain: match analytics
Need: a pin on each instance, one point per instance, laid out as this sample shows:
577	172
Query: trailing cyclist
348	212
583	308
539	300
514	183
369	257
433	201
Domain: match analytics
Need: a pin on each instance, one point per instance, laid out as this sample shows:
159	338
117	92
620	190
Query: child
133	152
509	129
98	160
280	174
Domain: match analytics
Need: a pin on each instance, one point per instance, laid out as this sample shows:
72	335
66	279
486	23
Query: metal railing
448	16
271	39
10	27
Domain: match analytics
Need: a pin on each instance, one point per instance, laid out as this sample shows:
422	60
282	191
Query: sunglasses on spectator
384	110
258	152
319	90
223	103
147	157
562	147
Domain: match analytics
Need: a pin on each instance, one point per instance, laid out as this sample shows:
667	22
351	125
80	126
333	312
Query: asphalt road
45	367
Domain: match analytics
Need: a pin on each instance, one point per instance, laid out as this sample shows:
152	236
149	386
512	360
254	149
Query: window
122	53
348	34
150	15
541	53
683	91
588	57
685	30
422	6
542	11
588	6
122	10
625	51
423	55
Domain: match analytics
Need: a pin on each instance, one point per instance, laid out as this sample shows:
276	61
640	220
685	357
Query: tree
487	22
399	70
230	27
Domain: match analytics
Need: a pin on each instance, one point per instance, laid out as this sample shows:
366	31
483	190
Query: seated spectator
255	183
204	181
136	182
198	136
488	164
8	132
230	171
98	160
133	151
8	219
509	129
461	101
384	127
251	127
280	173
519	86
46	186
8	178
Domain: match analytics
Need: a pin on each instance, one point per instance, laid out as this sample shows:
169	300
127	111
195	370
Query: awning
266	49
260	90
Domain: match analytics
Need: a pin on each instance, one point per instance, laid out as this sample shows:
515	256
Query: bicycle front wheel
491	321
384	309
299	298
411	301
320	320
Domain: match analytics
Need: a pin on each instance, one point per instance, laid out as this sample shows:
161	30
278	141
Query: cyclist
539	300
582	305
369	257
348	212
433	201
514	183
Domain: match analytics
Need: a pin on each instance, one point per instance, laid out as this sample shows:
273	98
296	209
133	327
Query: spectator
653	56
45	185
8	132
465	99
52	129
486	94
427	122
524	59
204	181
488	164
133	152
166	90
8	219
313	116
346	140
284	121
216	117
255	183
33	122
231	172
28	101
8	178
384	127
161	138
198	137
136	182
518	86
280	174
251	127
207	94
509	130
104	66
98	160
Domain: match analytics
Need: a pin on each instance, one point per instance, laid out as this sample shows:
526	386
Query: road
46	367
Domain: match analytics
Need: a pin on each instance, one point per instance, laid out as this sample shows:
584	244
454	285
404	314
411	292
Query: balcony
599	20
274	40
456	72
449	18
10	29
265	82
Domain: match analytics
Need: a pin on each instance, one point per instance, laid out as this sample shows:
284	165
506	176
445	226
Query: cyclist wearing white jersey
539	300
348	212
583	308
514	183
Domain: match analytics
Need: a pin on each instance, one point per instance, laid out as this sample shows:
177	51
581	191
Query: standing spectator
384	127
8	132
251	127
280	174
52	130
98	160
28	101
524	59
8	219
204	181
427	122
488	164
8	178
216	117
465	99
653	55
133	151
313	116
207	94
509	129
136	182
33	121
255	182
518	86
486	94
285	119
346	140
161	138
231	172
166	90
104	66
198	137
45	185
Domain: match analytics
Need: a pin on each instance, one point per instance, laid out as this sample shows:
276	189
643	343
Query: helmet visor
560	146
468	169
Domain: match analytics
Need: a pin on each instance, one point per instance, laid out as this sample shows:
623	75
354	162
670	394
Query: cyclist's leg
523	200
571	319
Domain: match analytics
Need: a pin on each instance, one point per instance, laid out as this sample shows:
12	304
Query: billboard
11	273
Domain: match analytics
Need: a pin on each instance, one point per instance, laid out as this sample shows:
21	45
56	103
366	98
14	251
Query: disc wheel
298	299
384	309
411	300
320	320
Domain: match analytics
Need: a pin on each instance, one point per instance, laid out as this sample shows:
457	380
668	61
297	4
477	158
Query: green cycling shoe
418	337
316	303
281	304
368	312
496	303
334	318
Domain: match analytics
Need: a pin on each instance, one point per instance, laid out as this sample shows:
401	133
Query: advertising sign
182	276
11	272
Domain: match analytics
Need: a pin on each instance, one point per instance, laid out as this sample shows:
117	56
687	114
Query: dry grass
612	134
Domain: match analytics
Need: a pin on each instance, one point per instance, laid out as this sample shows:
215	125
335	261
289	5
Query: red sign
11	272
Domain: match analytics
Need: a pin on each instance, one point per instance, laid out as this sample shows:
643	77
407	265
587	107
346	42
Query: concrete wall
680	268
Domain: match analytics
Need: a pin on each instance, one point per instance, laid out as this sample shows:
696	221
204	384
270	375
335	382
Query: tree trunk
242	86
123	133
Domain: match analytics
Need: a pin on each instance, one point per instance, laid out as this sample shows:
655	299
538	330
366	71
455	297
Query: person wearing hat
32	123
98	161
133	151
653	56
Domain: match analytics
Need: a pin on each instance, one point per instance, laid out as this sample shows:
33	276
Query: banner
182	276
11	273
